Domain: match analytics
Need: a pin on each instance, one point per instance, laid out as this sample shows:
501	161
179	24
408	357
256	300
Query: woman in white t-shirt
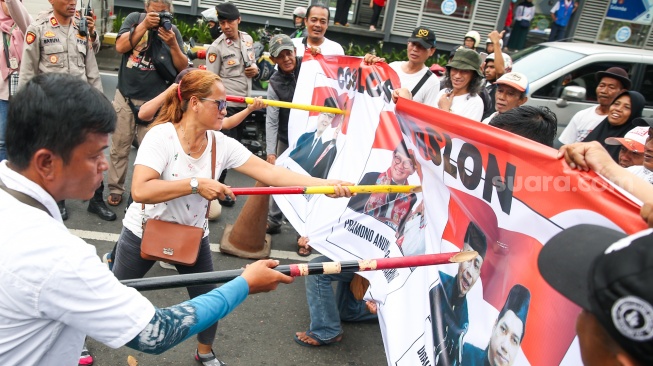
462	84
172	177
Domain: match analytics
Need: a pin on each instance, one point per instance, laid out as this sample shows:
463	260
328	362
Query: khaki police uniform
49	48
228	59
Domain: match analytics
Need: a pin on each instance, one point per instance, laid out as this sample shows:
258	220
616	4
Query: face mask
215	31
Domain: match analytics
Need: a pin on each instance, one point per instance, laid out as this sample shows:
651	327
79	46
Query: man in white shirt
512	91
611	82
645	171
317	23
55	290
632	146
413	74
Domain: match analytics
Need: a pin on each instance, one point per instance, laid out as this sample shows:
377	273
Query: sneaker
168	266
210	360
372	28
85	359
108	260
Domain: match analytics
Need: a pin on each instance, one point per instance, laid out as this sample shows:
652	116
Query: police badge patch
212	57
30	37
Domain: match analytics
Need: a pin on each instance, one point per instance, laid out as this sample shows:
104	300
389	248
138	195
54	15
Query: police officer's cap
227	11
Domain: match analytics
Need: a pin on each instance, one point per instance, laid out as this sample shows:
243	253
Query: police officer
54	43
231	56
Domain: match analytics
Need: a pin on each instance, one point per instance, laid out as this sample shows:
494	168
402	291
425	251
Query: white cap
516	80
634	140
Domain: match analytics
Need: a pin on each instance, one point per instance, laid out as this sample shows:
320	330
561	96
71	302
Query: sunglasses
221	103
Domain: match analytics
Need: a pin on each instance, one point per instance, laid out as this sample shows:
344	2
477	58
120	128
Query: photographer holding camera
63	41
141	77
231	56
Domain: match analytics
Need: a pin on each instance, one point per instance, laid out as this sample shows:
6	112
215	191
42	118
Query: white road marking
215	247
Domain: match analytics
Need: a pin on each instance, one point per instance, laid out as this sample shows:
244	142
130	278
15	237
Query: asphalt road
260	331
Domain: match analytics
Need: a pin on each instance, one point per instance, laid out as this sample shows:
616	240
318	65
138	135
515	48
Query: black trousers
342	11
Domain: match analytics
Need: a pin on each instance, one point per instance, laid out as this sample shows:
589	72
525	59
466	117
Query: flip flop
114	199
303	251
320	342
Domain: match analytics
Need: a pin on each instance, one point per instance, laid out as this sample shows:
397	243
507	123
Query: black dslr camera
165	20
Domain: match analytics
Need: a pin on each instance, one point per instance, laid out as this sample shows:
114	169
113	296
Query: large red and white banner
484	189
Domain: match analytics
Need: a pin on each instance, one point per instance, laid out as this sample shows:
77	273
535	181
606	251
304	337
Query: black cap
642	121
615	73
518	301
227	11
475	238
423	36
608	274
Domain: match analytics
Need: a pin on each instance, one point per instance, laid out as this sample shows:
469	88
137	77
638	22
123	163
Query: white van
103	10
562	75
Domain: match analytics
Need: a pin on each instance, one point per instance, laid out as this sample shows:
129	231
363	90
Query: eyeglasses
221	103
329	115
406	164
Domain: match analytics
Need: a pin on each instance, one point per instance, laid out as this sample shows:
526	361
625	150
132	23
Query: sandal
320	342
114	199
304	252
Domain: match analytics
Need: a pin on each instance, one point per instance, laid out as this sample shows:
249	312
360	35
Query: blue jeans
557	32
4	108
328	309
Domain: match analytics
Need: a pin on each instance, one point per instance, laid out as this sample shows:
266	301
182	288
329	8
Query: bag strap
421	82
141	16
24	198
4	43
208	207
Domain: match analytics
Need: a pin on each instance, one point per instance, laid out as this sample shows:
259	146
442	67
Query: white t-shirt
581	124
327	48
489	118
465	105
162	151
54	288
428	93
641	172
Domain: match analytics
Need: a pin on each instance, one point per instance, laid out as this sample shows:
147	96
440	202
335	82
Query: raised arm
19	14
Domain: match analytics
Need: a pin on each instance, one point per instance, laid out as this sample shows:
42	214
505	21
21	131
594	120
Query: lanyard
8	38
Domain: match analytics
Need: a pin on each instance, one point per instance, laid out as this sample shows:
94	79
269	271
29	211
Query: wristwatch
193	185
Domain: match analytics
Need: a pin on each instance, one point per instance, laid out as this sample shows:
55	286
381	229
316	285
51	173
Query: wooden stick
303	269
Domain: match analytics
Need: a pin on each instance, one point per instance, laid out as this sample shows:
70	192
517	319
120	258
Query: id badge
13	63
